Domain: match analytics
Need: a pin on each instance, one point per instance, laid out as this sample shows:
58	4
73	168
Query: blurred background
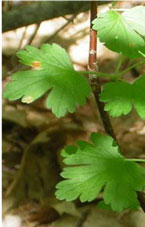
33	137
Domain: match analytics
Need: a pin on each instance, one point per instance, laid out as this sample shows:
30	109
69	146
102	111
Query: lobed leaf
122	96
123	33
52	70
97	165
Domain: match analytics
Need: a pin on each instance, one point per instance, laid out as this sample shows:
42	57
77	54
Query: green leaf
123	33
52	69
104	206
122	96
136	18
97	165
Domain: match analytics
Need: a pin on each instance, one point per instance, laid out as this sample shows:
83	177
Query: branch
40	11
22	38
95	81
30	40
62	27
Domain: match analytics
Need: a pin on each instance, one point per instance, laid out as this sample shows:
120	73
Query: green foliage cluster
95	165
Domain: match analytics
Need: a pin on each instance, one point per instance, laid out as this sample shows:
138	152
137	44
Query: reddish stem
95	82
93	39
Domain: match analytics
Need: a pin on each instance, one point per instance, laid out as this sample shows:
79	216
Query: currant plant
98	164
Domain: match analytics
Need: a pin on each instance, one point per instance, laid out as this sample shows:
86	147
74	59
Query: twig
131	67
96	87
22	38
95	81
34	34
62	27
